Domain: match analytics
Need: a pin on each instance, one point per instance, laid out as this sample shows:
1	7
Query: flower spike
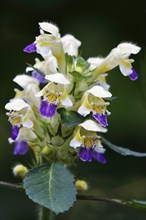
62	104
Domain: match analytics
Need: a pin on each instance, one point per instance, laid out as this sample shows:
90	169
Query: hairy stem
11	185
46	214
45	211
97	198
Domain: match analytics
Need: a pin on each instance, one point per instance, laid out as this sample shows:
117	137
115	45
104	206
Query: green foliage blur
100	26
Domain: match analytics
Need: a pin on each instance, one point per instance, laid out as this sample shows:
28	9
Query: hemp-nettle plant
61	113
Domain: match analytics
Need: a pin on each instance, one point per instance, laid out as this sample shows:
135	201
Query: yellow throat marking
15	121
52	97
88	142
98	108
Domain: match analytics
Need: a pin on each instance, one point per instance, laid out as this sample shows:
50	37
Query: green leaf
70	61
121	150
70	118
51	186
77	75
81	63
77	64
139	204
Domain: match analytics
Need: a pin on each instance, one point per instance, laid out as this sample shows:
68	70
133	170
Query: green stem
46	214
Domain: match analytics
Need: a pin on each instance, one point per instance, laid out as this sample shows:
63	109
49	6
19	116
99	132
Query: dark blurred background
100	26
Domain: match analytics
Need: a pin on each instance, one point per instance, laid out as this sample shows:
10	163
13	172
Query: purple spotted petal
14	133
21	147
85	154
101	118
30	48
38	76
47	109
133	76
99	157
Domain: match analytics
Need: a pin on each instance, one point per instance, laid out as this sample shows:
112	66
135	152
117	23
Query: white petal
108	112
26	134
30	92
70	44
48	27
10	140
68	38
99	148
16	105
71	49
42	50
92	126
23	80
99	91
28	69
95	62
66	102
57	78
51	62
75	143
83	110
128	48
39	94
27	124
104	85
126	71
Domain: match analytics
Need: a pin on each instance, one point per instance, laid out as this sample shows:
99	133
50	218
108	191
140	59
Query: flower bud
20	170
78	69
46	150
81	185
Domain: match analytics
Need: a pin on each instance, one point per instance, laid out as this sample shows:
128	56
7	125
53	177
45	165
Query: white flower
26	134
20	113
48	66
54	94
30	86
95	99
100	92
65	100
89	144
128	48
58	78
77	140
50	28
119	56
70	44
101	81
95	62
51	63
23	80
48	41
16	105
91	125
99	147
